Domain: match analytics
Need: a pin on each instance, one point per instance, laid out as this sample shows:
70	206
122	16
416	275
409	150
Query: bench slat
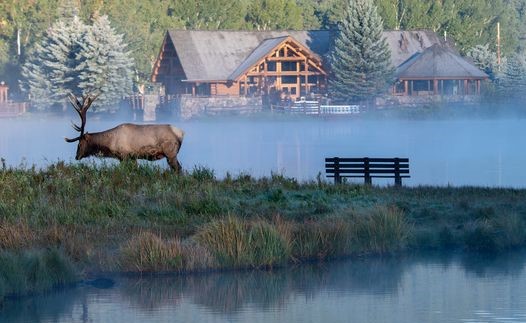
372	160
375	176
362	171
371	166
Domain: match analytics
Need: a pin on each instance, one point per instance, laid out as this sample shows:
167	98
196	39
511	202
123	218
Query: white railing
339	109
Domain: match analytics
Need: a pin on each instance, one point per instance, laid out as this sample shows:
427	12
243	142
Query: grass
124	217
34	271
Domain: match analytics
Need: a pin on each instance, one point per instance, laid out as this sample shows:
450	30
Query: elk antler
81	109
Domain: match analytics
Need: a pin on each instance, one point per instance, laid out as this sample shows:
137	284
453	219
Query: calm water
433	288
446	152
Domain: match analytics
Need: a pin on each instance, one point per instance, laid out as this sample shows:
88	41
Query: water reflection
430	288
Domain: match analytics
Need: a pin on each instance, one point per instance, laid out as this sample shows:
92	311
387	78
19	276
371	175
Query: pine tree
73	57
484	59
106	67
360	58
512	80
51	72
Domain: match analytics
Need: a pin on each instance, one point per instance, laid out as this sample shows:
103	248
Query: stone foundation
425	100
191	106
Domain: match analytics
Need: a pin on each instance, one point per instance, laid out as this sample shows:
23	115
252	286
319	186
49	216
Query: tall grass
34	271
383	229
149	252
237	243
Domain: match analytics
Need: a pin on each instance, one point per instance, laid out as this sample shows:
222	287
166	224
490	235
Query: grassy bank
142	218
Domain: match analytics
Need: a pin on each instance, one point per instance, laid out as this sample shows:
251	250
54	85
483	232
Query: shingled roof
437	62
224	55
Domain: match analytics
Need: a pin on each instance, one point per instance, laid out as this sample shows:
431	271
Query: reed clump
34	271
383	229
148	252
239	243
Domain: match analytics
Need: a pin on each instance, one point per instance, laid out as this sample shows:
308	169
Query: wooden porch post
193	89
306	77
298	79
478	87
435	86
406	88
246	89
466	88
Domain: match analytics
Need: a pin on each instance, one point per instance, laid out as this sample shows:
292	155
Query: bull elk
126	141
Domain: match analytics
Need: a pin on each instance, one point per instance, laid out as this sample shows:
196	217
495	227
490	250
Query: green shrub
480	236
203	174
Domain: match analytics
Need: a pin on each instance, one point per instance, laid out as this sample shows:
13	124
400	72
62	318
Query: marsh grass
148	252
34	271
149	219
383	229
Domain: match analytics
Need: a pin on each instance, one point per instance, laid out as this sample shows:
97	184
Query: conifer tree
106	66
484	58
360	58
51	71
512	79
73	57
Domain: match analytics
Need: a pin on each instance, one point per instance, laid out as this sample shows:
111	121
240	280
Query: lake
456	152
432	288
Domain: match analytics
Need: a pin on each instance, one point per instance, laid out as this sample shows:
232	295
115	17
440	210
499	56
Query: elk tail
179	134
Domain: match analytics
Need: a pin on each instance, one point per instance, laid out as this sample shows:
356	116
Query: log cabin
273	63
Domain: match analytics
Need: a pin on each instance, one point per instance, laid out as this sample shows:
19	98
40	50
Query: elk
126	141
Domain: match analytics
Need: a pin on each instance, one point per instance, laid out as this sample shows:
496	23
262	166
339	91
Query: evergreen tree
484	59
512	80
73	57
106	67
360	58
52	72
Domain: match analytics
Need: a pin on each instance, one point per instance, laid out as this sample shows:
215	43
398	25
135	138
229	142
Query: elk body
127	141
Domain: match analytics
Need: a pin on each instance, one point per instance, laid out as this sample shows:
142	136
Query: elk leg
174	164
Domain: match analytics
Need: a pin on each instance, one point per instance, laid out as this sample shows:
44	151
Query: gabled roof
224	55
216	55
438	62
260	52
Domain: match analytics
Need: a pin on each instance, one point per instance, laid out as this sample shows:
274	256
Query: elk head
81	109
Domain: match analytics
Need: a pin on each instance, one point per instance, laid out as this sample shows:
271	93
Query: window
289	66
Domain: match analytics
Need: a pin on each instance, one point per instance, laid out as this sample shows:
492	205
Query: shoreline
143	219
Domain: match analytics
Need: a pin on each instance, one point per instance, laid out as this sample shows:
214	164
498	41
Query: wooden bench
367	168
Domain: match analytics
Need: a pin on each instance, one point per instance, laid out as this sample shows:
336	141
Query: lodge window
271	66
399	87
202	89
421	86
313	79
289	79
289	66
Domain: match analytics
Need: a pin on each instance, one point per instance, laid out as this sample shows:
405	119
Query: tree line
142	23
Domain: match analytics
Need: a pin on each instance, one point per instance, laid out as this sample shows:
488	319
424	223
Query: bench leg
398	181
368	180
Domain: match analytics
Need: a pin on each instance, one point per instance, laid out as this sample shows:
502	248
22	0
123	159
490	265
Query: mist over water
457	152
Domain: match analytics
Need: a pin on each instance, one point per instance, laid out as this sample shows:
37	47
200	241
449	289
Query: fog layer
479	152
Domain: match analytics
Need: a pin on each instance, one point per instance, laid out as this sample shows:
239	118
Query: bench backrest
367	167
